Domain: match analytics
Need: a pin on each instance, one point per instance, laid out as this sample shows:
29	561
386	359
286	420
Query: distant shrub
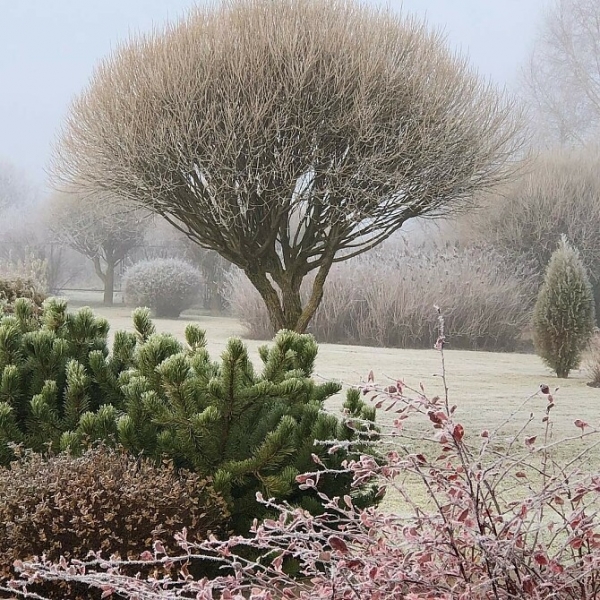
105	501
166	285
564	315
12	289
559	193
386	298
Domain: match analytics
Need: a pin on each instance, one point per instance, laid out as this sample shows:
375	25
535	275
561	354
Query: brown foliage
11	289
560	195
289	135
104	500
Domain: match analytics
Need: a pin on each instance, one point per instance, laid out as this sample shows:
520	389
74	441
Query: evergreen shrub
166	285
564	314
61	389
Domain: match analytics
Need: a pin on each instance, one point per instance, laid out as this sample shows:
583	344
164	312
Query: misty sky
48	49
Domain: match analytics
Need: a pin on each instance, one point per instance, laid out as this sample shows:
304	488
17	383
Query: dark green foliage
253	432
54	367
564	315
105	500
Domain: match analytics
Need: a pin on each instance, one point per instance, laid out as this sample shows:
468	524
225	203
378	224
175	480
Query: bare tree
560	195
99	227
288	135
563	74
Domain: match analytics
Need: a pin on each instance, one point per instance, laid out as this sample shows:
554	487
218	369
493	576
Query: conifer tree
564	314
251	432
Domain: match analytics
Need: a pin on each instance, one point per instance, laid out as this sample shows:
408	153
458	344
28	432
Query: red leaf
576	543
459	432
581	424
437	416
540	558
530	440
463	515
338	544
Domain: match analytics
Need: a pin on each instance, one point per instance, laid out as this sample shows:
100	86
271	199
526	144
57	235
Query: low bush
385	298
166	285
61	388
103	501
54	367
12	289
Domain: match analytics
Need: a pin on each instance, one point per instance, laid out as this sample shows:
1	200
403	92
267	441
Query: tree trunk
285	308
315	297
109	284
108	279
267	292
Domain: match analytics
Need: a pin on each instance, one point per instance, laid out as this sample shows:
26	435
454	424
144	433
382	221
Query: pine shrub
104	500
166	285
54	368
62	389
564	314
252	432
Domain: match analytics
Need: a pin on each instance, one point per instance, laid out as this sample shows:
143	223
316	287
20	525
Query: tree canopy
289	135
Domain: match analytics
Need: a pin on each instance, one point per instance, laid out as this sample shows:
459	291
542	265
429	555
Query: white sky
48	49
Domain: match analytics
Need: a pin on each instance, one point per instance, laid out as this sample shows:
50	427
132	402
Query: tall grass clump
385	298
